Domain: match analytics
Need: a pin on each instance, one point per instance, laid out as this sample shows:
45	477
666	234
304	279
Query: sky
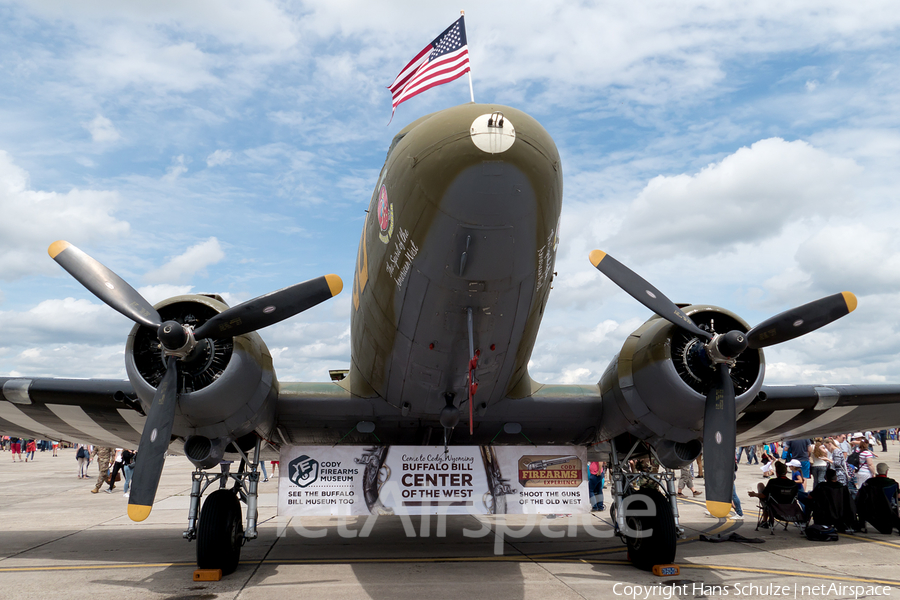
739	154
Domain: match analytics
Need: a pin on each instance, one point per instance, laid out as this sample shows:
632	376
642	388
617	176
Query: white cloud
32	220
854	257
66	320
305	347
184	266
102	130
262	24
177	169
162	291
72	360
125	59
219	157
748	196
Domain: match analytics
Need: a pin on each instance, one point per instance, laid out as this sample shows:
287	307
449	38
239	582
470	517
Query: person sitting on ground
830	504
768	466
877	501
780	489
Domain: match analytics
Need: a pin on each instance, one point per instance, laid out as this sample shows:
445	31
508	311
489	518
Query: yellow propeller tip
57	247
334	284
718	509
850	299
138	512
596	256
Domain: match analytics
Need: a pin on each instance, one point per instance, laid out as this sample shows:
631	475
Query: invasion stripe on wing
77	418
13	414
113	422
8	428
50	420
829	416
134	419
773	421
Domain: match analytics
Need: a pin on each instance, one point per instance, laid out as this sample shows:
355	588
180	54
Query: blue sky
739	154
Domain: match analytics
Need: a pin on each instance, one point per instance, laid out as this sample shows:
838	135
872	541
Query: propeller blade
801	320
719	438
103	283
154	442
641	290
271	308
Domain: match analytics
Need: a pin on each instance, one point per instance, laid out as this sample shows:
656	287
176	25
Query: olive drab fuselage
464	217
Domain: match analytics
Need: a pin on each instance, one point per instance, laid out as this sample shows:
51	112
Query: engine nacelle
655	388
227	387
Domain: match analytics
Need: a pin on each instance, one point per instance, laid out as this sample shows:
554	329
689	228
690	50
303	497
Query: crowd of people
852	456
817	472
23	450
113	464
835	480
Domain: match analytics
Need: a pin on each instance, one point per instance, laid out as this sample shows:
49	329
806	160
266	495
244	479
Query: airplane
453	272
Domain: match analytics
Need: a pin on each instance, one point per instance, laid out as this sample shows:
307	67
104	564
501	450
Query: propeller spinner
178	341
721	350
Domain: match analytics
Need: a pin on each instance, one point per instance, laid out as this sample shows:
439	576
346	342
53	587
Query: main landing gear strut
646	519
219	530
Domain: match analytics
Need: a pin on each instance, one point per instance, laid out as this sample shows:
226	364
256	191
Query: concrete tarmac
57	540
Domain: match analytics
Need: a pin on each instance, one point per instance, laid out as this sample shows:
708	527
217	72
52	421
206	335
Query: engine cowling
227	387
655	388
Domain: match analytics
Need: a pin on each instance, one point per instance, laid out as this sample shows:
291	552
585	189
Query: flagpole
471	90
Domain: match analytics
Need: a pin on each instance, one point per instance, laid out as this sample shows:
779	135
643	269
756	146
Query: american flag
446	58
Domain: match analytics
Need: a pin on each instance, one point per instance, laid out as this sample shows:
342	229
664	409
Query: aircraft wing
94	411
326	413
801	411
103	412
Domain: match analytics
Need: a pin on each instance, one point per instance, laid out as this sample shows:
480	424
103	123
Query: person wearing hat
799	450
797	473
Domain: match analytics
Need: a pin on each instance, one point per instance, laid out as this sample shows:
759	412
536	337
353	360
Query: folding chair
878	507
771	512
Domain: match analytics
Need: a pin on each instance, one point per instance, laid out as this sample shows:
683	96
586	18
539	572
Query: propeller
719	422
178	341
155	441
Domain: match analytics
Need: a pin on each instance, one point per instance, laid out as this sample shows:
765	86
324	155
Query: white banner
363	480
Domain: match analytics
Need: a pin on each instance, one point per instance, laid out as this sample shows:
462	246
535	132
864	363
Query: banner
417	480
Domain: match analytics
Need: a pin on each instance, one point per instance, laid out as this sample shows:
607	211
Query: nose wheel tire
220	533
653	538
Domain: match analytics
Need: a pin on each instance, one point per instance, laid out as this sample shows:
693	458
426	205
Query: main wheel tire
220	534
657	547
